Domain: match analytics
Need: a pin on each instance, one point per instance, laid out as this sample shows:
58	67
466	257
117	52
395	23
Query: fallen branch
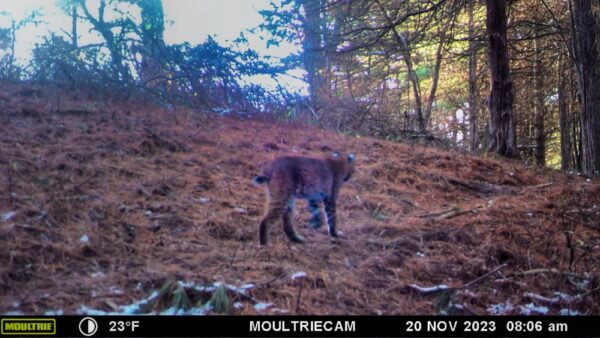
445	288
463	184
428	290
263	284
455	211
480	187
551	271
438	213
479	279
557	299
543	185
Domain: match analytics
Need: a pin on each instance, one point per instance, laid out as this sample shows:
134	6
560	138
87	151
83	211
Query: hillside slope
103	203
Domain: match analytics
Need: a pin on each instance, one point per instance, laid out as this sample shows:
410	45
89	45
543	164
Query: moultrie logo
28	326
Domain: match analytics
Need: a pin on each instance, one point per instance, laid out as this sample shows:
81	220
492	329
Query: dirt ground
102	203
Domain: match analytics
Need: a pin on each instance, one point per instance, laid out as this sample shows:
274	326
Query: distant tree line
516	78
133	56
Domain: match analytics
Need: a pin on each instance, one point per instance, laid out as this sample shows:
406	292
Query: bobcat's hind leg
274	210
288	227
315	214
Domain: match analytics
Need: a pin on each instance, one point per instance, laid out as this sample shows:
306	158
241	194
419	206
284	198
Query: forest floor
107	204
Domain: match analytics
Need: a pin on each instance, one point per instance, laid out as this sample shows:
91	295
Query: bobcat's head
345	163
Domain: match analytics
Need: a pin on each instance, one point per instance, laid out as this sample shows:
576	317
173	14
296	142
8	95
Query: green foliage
220	301
423	72
281	22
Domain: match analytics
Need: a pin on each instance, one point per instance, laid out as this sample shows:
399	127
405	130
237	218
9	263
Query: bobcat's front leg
330	212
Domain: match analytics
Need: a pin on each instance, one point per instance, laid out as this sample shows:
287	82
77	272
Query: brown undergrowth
104	202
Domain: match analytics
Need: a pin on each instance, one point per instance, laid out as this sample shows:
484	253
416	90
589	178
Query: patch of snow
262	306
200	288
84	310
136	307
172	311
54	313
588	180
298	274
97	274
8	216
584	284
558	297
13	313
453	307
420	254
429	289
16	304
153	295
566	297
131	309
115	290
199	311
531	308
568	312
530	214
148	213
84	239
203	200
240	210
468	293
247	286
501	309
541	298
186	284
277	310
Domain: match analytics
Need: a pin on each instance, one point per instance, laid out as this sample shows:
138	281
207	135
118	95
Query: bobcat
315	179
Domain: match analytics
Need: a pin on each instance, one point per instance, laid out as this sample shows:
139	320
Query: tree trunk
565	141
313	50
412	77
435	78
575	121
153	28
586	40
539	133
500	102
74	26
473	90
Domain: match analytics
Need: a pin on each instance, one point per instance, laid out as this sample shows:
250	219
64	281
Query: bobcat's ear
351	157
335	154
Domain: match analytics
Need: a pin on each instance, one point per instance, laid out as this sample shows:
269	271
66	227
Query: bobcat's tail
261	179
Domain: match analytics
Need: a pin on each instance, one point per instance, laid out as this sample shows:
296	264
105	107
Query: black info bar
301	326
